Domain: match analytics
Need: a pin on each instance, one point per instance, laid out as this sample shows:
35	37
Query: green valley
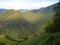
35	27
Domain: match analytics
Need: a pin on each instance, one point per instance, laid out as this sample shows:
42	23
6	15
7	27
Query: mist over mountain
23	10
2	10
44	9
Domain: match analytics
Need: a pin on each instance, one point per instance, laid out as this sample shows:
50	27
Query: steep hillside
44	39
29	28
52	31
31	17
21	24
14	25
45	13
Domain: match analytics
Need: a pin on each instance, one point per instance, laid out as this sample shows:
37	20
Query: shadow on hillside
2	43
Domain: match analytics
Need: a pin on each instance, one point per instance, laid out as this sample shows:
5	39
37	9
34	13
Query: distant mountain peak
1	10
44	9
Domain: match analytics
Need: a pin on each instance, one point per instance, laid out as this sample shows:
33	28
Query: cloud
27	4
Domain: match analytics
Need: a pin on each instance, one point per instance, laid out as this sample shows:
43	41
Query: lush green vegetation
44	39
27	28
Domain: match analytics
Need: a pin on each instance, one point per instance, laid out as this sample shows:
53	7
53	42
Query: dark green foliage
57	8
2	43
55	27
53	39
9	38
35	35
44	39
26	38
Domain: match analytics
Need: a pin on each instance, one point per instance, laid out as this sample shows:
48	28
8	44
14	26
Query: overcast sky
25	4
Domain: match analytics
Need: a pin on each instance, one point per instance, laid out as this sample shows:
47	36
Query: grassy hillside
44	39
27	28
29	16
13	24
5	40
18	24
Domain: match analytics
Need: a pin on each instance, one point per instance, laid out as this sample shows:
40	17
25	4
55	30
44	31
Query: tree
55	27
